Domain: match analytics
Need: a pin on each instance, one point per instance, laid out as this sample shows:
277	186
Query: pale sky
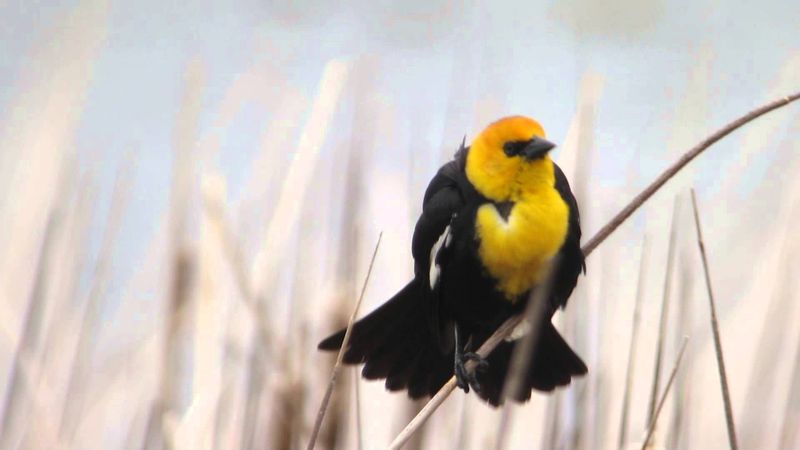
670	72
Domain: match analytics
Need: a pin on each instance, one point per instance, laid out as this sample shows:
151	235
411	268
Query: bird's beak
537	148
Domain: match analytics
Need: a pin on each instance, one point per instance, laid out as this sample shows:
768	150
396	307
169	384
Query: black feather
408	340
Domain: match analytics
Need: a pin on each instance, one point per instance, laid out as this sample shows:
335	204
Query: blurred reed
229	361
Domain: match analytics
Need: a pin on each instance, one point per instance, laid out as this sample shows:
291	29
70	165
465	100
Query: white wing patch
435	270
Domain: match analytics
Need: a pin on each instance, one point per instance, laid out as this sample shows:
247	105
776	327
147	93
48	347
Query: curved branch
505	329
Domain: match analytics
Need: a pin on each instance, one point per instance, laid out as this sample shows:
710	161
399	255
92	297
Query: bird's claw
465	377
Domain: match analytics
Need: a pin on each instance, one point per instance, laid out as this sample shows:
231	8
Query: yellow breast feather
515	251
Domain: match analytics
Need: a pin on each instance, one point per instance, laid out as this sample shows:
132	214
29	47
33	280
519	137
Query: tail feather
395	343
372	331
393	354
400	375
554	364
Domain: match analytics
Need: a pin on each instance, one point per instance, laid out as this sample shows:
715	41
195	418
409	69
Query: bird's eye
514	148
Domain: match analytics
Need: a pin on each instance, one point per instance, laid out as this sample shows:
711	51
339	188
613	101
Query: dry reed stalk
493	341
262	342
67	285
652	426
687	157
326	398
37	138
681	415
260	346
235	256
507	327
182	264
605	346
90	317
364	133
577	155
287	209
758	138
253	396
726	396
17	390
287	402
263	339
340	409
524	350
664	314
195	427
282	430
348	246
299	377
790	432
180	288
759	399
408	412
45	374
626	397
28	393
779	271
35	145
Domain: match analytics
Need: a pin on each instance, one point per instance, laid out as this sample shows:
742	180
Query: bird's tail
554	364
394	342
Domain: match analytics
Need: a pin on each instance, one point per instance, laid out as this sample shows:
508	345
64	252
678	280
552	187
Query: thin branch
524	350
681	413
494	340
679	164
626	398
505	329
425	413
652	427
326	399
726	396
662	321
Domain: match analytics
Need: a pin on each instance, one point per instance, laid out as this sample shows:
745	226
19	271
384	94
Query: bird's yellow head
509	158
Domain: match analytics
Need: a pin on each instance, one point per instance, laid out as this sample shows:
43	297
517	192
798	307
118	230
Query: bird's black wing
393	341
572	262
553	364
443	199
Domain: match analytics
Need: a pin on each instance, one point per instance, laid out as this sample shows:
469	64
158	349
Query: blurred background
191	194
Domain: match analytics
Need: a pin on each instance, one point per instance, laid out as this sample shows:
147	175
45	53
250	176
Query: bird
493	219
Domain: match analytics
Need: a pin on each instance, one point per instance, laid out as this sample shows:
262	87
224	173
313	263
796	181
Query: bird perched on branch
492	220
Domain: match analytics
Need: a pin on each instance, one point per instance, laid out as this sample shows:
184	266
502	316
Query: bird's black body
409	339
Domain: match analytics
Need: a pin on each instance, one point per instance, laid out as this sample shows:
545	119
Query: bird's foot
465	377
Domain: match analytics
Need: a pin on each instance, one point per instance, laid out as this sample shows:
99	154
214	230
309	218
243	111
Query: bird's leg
466	378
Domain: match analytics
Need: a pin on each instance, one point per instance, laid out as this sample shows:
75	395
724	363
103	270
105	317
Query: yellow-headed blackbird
492	219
